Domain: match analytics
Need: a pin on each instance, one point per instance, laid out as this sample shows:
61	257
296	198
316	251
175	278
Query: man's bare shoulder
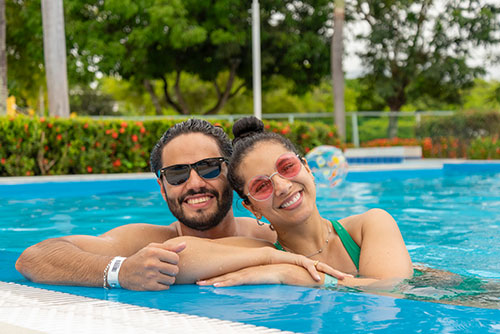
152	232
250	228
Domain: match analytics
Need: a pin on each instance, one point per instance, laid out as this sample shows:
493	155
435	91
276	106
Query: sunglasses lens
260	188
208	169
177	174
288	166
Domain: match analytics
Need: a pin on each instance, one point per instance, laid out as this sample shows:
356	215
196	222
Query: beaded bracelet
105	278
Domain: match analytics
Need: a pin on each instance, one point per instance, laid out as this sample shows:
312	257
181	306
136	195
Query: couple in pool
196	167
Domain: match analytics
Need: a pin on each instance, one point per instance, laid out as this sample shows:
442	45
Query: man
190	162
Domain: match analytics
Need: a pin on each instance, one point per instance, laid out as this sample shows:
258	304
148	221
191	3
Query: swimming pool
449	218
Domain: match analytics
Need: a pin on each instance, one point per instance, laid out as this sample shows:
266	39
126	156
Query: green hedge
54	146
466	126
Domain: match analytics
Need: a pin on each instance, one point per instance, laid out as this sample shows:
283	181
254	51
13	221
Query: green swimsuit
350	246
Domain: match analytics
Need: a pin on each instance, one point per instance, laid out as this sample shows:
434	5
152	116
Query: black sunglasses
178	174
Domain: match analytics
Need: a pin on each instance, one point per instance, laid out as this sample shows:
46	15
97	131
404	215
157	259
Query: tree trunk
224	96
168	98
3	61
337	71
154	98
392	130
54	49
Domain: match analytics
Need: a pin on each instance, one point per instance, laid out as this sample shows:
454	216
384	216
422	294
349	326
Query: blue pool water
449	218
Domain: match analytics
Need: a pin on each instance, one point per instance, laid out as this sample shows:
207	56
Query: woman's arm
204	258
383	251
289	275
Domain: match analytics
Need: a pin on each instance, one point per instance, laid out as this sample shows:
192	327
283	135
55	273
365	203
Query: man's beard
203	221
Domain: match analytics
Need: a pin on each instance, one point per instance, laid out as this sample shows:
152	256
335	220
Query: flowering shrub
47	146
485	148
446	147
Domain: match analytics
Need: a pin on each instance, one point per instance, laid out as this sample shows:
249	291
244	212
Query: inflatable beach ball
328	164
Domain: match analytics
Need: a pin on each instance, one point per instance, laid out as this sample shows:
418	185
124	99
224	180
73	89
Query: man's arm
203	258
81	260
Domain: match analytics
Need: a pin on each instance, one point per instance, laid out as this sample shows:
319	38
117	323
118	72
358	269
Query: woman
275	182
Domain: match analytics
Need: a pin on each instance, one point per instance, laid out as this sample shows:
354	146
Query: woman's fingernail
217	284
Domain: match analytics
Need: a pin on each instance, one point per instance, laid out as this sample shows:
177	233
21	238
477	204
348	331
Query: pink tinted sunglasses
261	187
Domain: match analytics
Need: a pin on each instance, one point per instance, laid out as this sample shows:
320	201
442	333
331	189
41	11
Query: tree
337	51
26	75
3	61
146	40
420	48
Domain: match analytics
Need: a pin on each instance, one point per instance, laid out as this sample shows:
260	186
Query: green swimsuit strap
350	246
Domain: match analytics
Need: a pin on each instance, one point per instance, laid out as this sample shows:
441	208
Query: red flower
82	148
330	134
117	163
28	173
26	127
3	161
59	137
42	120
114	135
134	138
138	124
143	130
46	148
122	130
267	126
285	131
124	124
86	125
97	144
108	131
89	169
50	125
307	149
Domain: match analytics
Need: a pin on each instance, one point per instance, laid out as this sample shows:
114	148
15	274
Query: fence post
355	133
418	117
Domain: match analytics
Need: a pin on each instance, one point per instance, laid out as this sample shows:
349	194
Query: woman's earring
271	227
258	221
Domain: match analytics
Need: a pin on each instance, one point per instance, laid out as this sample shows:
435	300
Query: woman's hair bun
247	126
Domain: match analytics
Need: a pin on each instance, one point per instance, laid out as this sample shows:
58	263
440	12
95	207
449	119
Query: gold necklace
319	250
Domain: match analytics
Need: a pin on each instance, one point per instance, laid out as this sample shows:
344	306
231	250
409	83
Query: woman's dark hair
249	131
190	126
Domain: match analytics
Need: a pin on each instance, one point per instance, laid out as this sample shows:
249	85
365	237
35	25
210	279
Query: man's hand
152	268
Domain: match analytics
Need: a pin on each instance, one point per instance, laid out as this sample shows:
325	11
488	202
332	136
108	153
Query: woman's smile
293	201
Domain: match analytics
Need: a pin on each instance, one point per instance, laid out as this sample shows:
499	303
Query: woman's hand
312	266
267	274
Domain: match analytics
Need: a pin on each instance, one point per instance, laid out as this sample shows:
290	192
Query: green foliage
152	38
53	146
24	39
464	125
417	50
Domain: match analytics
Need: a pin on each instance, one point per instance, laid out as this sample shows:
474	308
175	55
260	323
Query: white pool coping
25	309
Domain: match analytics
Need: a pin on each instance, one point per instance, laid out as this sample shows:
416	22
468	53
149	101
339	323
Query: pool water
449	219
